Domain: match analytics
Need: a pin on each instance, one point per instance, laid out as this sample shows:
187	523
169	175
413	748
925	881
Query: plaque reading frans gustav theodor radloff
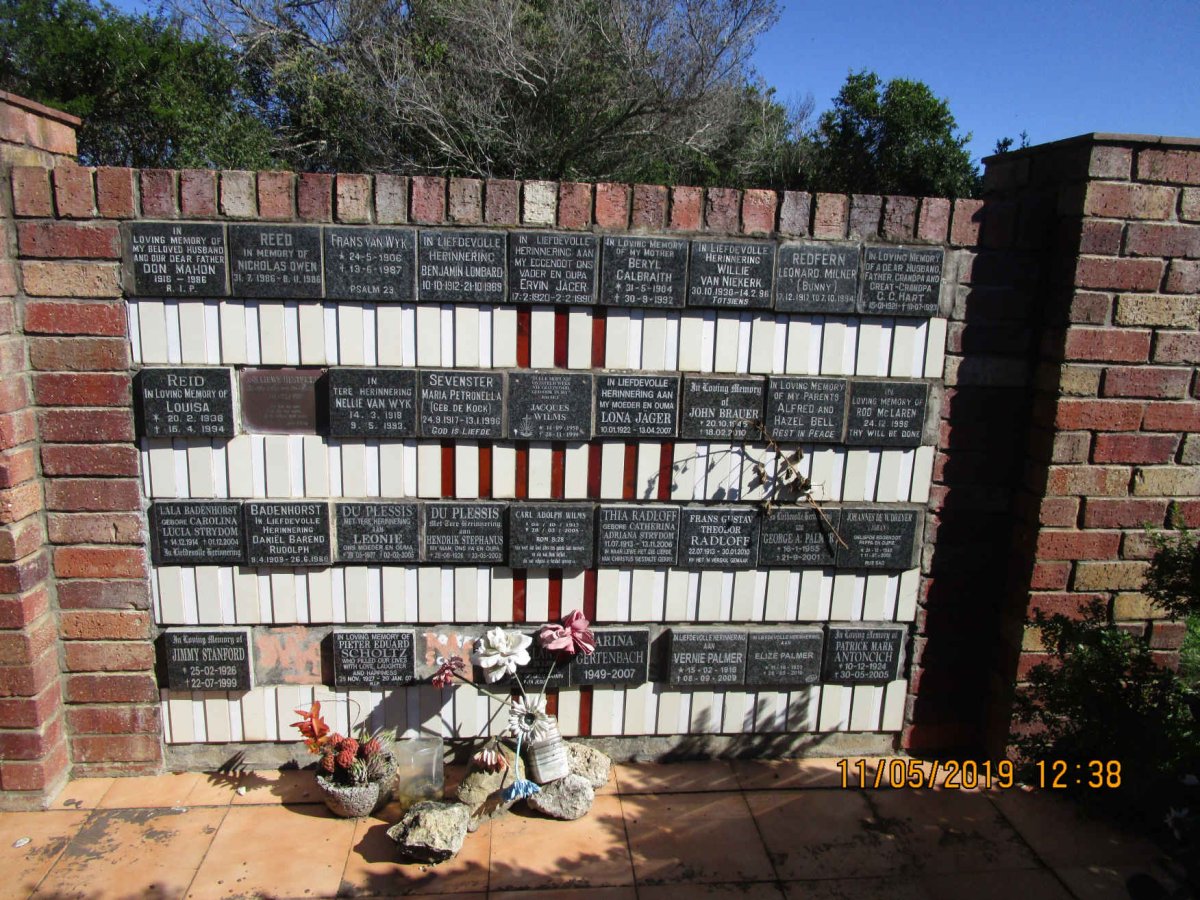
552	268
644	271
622	656
287	534
636	406
462	404
372	403
469	533
901	282
809	410
460	267
863	653
372	659
549	406
641	536
706	656
877	538
197	532
784	657
730	275
817	278
184	260
718	537
551	535
185	402
798	536
374	265
886	413
207	660
721	409
282	261
378	532
279	401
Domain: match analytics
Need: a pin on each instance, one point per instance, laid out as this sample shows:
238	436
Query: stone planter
355	801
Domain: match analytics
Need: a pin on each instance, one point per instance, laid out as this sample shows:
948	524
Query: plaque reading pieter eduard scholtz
197	532
706	656
718	537
549	406
372	660
817	278
185	260
467	533
886	413
207	660
282	261
809	410
179	402
644	271
636	406
372	403
550	535
729	275
622	656
552	268
721	409
863	653
374	265
456	404
460	267
637	536
287	534
784	657
901	282
378	533
877	538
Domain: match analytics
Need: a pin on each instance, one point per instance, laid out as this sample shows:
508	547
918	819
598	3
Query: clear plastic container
419	770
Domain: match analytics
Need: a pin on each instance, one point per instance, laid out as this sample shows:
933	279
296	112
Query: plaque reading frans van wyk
469	533
809	410
718	537
549	406
184	260
197	532
901	282
287	534
460	267
378	533
552	268
706	656
644	271
622	656
721	409
636	406
372	403
798	537
282	261
374	265
784	657
462	404
279	401
863	654
373	660
877	538
641	536
207	660
179	402
886	413
817	278
550	535
729	275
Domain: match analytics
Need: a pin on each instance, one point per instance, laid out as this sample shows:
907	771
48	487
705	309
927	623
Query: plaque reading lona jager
636	406
552	268
462	404
372	659
784	657
207	660
374	265
812	410
641	536
460	267
721	409
817	278
798	536
877	538
372	403
287	534
185	402
901	282
622	656
275	261
550	535
197	532
549	406
718	537
644	271
886	413
730	275
706	656
279	401
378	532
470	533
863	654
177	260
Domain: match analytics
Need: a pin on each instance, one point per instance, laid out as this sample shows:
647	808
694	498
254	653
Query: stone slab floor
707	829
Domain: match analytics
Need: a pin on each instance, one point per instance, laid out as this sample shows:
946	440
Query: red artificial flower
447	671
312	726
571	637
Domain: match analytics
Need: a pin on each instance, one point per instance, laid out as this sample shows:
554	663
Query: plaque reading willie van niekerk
637	536
817	278
552	268
864	653
178	402
718	537
378	533
374	265
549	406
460	267
372	660
730	275
367	403
207	660
176	260
636	406
461	404
901	282
644	271
706	656
197	533
287	534
281	261
806	410
467	533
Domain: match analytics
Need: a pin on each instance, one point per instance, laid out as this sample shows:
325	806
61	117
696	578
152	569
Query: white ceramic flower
527	718
501	653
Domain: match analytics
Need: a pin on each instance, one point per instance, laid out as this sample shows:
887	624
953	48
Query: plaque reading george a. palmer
550	535
549	406
197	532
730	275
169	260
622	656
817	278
637	536
468	533
636	406
706	656
552	268
378	533
207	660
287	534
178	402
460	267
644	271
718	537
864	653
462	404
282	261
372	660
374	265
783	657
901	282
721	409
799	537
886	413
877	538
808	410
372	403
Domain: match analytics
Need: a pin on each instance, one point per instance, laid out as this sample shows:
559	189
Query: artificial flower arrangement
354	773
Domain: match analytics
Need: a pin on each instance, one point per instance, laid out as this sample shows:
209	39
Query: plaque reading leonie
718	537
460	267
817	278
863	654
644	271
721	409
730	275
706	656
279	401
550	535
808	410
376	533
886	413
877	538
372	403
799	537
207	660
184	260
282	261
458	404
178	402
469	533
901	282
636	406
287	534
197	532
549	406
552	268
374	659
374	265
784	657
641	536
622	656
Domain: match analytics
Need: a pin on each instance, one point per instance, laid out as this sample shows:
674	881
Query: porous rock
480	790
432	831
591	763
567	798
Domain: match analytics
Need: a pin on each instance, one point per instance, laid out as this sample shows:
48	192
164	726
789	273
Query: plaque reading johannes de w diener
197	532
183	260
207	660
185	402
372	659
287	534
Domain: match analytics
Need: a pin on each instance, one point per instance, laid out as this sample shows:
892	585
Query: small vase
547	756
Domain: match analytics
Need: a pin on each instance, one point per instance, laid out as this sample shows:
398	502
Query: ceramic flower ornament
500	653
572	637
527	718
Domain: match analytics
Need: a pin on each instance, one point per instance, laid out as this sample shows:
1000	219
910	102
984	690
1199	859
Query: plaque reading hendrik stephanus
287	534
865	653
282	261
730	275
470	533
373	659
376	533
372	403
644	271
552	268
197	532
176	260
460	404
549	406
460	267
207	660
817	278
374	265
179	402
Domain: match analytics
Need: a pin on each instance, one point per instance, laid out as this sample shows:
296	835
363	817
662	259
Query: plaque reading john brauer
184	260
377	533
644	271
287	534
179	402
706	656
721	409
552	268
469	533
730	275
863	653
458	404
370	264
372	660
901	282
460	267
372	403
275	261
197	532
207	660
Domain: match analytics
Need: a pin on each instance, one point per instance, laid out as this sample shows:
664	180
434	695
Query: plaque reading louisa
729	275
207	660
797	536
552	268
901	282
550	535
549	406
812	410
718	537
372	403
641	536
705	656
462	404
470	533
378	532
370	264
176	260
863	654
279	401
196	532
287	534
275	261
783	658
460	267
877	538
886	413
817	278
179	402
622	656
644	271
373	660
721	409
636	406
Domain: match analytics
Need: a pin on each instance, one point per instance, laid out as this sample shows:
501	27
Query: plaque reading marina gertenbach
197	532
729	275
799	537
184	260
552	268
287	534
459	404
622	656
706	656
372	403
378	533
886	413
207	660
901	282
784	657
877	538
279	401
275	261
637	536
721	409
460	267
864	653
718	537
808	410
549	406
470	533
179	402
374	265
817	278
550	535
373	659
636	406
644	271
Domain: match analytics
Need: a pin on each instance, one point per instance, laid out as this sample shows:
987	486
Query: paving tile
606	893
121	853
694	838
680	777
48	832
149	791
1028	884
892	888
762	890
758	775
82	793
211	789
1099	882
372	868
290	786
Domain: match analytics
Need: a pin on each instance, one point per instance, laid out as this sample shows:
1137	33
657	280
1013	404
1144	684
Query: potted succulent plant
355	774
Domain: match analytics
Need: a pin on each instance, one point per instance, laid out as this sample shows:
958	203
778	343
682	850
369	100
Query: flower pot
547	754
353	801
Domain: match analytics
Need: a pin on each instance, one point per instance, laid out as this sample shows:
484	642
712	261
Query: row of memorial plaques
560	535
403	265
538	406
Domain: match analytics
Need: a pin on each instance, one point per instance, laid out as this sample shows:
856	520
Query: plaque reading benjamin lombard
550	535
863	653
465	533
901	282
372	660
706	656
886	413
184	260
721	409
460	267
279	401
378	533
207	660
644	271
282	261
552	268
636	406
197	532
729	275
817	278
458	404
637	536
806	410
718	537
549	406
179	402
287	534
374	265
372	403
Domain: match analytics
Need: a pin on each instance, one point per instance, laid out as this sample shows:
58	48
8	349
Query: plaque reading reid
552	268
637	536
184	260
721	409
281	261
901	282
459	404
636	406
706	656
374	265
798	537
549	406
467	533
372	403
207	660
886	413
373	659
550	535
644	271
197	532
807	410
179	402
460	267
817	278
378	533
279	401
784	657
287	534
718	537
877	538
730	275
863	653
622	656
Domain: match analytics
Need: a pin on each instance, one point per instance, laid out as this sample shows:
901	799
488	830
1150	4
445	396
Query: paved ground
712	829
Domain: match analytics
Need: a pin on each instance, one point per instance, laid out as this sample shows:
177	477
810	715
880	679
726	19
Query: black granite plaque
207	660
544	669
280	261
184	260
460	267
552	268
461	404
706	656
287	534
636	406
622	656
877	538
901	282
798	537
817	278
718	537
730	275
197	533
886	413
637	536
809	410
374	265
551	535
784	658
549	406
644	271
863	654
279	401
376	533
468	533
721	409
372	403
179	402
372	660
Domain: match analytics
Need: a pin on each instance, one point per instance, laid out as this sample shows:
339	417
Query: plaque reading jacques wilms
549	406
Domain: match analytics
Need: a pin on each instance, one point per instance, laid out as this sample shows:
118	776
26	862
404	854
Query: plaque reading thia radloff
460	266
210	660
287	534
471	533
374	265
279	401
886	413
379	403
176	260
806	410
551	535
898	281
877	538
644	537
549	406
552	268
637	406
784	657
718	537
622	656
799	537
644	271
378	533
462	404
179	402
706	656
817	278
731	275
282	261
373	659
721	409
197	532
863	653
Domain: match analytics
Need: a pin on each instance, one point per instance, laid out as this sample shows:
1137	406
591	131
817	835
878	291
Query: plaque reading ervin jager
718	537
279	401
636	406
901	282
207	660
886	413
372	659
197	532
470	533
177	260
721	409
378	533
863	654
622	656
552	268
549	406
781	658
817	278
811	410
641	536
372	403
462	404
644	271
374	265
460	267
550	535
275	261
287	534
185	402
702	656
877	538
799	536
729	275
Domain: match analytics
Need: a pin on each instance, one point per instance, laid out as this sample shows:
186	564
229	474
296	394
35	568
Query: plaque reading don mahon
637	536
799	536
275	261
197	532
622	656
550	535
729	275
706	656
636	406
718	537
886	413
863	653
549	406
374	265
721	409
784	657
552	268
901	282
469	533
207	660
877	538
373	660
185	402
372	403
376	533
644	271
817	278
168	260
287	534
458	404
460	267
809	410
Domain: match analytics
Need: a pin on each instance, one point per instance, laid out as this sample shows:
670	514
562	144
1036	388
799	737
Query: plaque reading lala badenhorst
817	278
863	654
636	406
550	535
374	659
468	533
552	268
287	534
729	275
799	537
706	656
460	267
169	260
282	261
886	413
644	271
207	660
637	536
901	282
197	532
549	406
377	533
783	657
178	402
279	401
458	404
808	410
721	409
622	656
370	264
372	403
877	538
718	537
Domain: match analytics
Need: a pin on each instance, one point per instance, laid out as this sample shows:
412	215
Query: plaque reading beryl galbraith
809	410
549	406
378	533
877	538
784	658
901	282
550	535
374	265
799	537
636	406
622	656
372	403
275	261
279	401
177	260
462	404
185	402
863	654
729	275
644	271
703	656
637	536
552	268
469	533
207	660
886	413
718	537
287	534
460	267
197	532
372	660
721	409
817	278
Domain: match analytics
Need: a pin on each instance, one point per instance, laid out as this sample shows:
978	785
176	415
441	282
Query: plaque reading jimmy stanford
458	404
179	402
378	532
809	410
784	657
644	271
901	282
817	278
636	406
877	538
275	261
799	536
706	656
622	656
207	660
550	535
197	532
287	534
863	654
718	537
552	268
460	267
374	265
279	401
886	413
721	409
185	260
372	403
549	406
373	659
637	536
729	275
470	533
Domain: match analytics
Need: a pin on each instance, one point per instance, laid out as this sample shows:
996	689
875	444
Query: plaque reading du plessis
378	533
207	660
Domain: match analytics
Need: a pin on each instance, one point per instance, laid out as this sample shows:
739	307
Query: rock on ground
480	790
593	765
567	798
431	831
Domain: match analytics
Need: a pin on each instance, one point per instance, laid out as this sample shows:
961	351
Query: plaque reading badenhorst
817	278
461	404
549	406
877	538
178	402
372	403
622	656
287	534
898	281
644	271
552	268
469	533
207	660
808	410
197	532
864	653
706	656
721	409
550	535
636	406
378	533
279	401
373	659
282	261
169	260
718	537
374	265
784	657
886	413
460	267
637	536
799	537
730	275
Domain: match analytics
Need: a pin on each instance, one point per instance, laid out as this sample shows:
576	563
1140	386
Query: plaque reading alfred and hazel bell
808	410
730	275
901	282
197	532
379	403
642	536
817	278
458	404
287	534
549	406
279	401
622	656
178	402
863	654
718	537
552	268
780	658
644	271
460	267
207	660
371	660
184	260
468	533
721	409
550	535
877	538
636	406
886	413
378	533
799	537
282	261
706	656
374	265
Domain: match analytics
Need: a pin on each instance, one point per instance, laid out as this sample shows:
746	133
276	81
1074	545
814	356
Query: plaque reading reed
275	261
287	534
549	406
644	271
636	406
552	268
641	536
471	533
817	278
370	264
550	535
378	532
185	260
372	403
462	404
461	267
197	532
178	402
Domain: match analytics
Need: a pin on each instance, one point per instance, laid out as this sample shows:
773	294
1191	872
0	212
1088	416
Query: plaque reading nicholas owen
185	260
644	271
729	275
718	537
468	533
287	534
721	409
179	402
636	406
817	278
622	656
808	410
458	404
197	532
706	656
637	536
372	660
549	406
877	538
886	413
863	654
460	267
207	660
378	533
901	282
275	261
550	535
784	657
798	536
374	265
552	268
372	403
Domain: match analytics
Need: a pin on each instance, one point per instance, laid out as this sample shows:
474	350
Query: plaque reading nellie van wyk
372	403
374	265
622	656
372	660
551	535
460	267
637	536
706	656
806	410
279	401
644	271
179	402
799	537
863	654
549	406
197	532
636	406
287	534
278	261
877	538
207	660
457	404
901	282
378	533
468	533
718	537
721	409
817	278
185	260
552	268
783	657
886	413
729	275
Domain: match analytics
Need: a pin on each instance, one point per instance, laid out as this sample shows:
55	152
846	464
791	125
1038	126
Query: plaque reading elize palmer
552	268
185	402
372	403
901	282
460	267
721	409
641	536
636	406
817	278
207	660
458	404
177	260
729	275
706	656
287	534
809	410
549	406
550	535
622	656
197	532
784	657
718	537
376	533
370	264
644	271
275	261
863	654
799	537
886	413
373	660
470	533
877	538
279	401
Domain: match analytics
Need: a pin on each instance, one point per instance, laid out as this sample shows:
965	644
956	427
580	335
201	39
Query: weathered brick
1166	481
79	354
934	220
539	202
1109	576
110	688
612	206
276	196
1183	277
314	197
502	201
1076	380
466	201
574	205
99	562
28	712
687	208
71	279
31	191
16	428
116	748
1106	273
238	195
32	744
1168	635
1050	576
94	528
114	192
74	194
68	318
721	210
158	194
1109	415
1185	513
1124	200
1177	347
1110	162
82	389
1163	311
391	199
1108	344
113	719
795	213
649	206
428	199
1172	417
19	539
968	219
17	467
106	594
1190	455
68	240
1135	605
1146	381
41	775
352	198
1103	481
1061	512
19	610
104	625
758	212
92	495
20	501
1157	239
1175	166
1100	237
899	218
24	575
1135	448
84	459
832	216
1078	544
21	648
198	193
70	426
